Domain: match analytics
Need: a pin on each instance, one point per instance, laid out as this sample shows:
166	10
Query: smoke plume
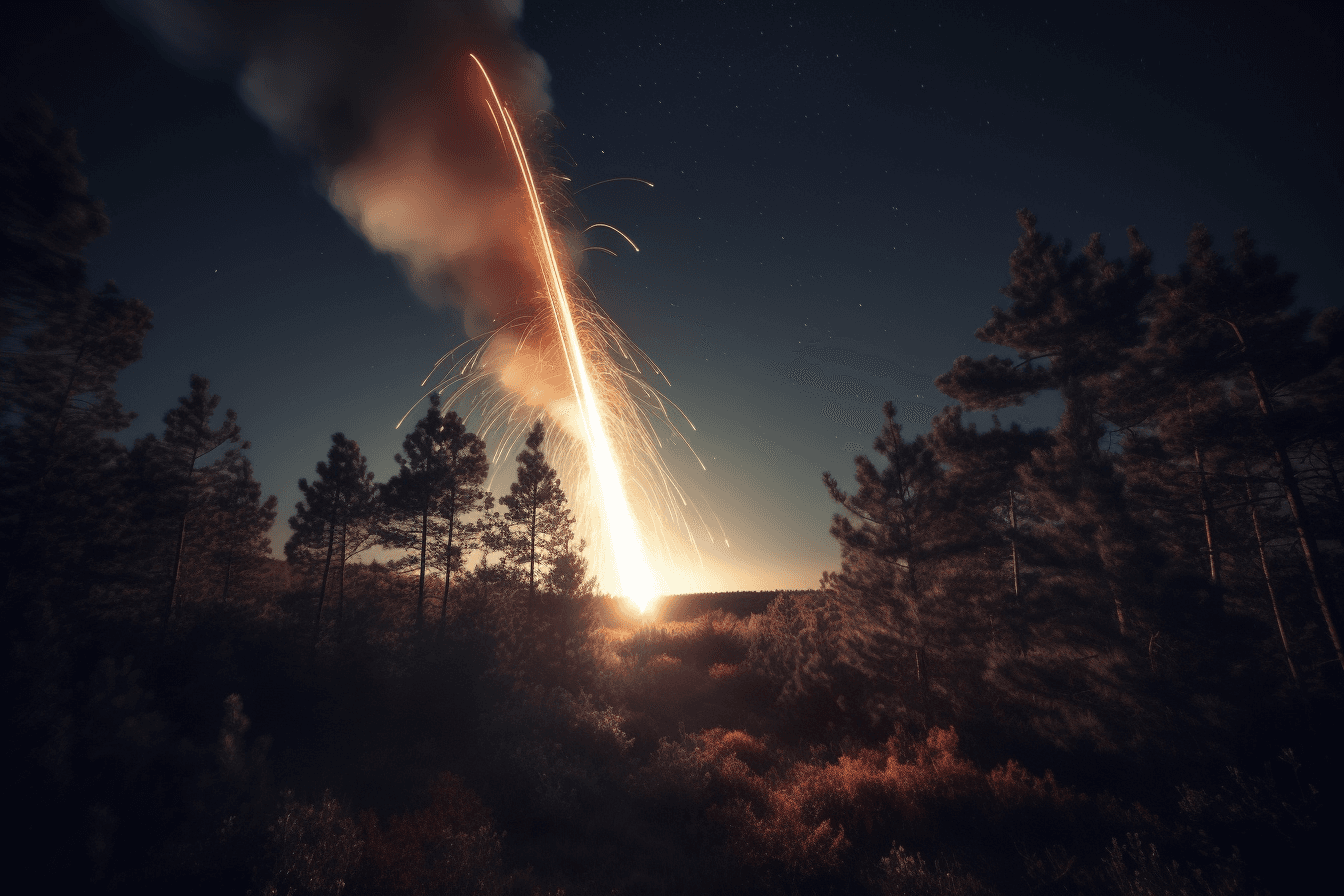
383	97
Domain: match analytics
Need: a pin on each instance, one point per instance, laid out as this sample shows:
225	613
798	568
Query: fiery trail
637	584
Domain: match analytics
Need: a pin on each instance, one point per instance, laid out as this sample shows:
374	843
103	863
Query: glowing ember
637	583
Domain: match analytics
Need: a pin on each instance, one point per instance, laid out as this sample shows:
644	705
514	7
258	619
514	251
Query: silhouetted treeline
1098	658
683	607
1163	564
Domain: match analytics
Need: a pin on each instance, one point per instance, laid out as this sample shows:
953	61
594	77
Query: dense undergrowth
233	755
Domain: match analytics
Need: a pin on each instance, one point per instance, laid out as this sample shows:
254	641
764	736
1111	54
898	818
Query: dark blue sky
832	218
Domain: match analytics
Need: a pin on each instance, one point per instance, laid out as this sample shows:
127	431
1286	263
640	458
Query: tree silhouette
63	347
413	493
439	484
187	439
1233	322
904	540
336	519
1081	314
464	494
984	472
48	220
538	518
234	523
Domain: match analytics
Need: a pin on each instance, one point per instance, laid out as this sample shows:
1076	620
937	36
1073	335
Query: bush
314	850
907	874
450	847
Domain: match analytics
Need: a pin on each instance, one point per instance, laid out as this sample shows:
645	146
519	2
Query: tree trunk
326	573
447	578
1018	627
922	679
532	553
1269	582
1215	573
1290	486
424	548
177	565
340	581
228	573
39	481
182	528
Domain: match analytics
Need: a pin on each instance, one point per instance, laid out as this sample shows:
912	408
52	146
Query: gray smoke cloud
383	97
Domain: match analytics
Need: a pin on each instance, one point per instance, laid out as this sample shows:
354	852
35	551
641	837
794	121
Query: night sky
831	222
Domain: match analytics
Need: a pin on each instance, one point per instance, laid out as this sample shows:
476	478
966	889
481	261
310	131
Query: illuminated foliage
449	847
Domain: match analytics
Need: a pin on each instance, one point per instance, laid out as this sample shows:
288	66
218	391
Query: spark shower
607	406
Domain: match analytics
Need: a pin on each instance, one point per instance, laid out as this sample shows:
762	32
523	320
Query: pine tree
1234	323
538	517
464	496
905	543
46	221
438	486
984	475
544	604
413	493
234	525
1082	314
188	438
337	518
59	463
63	347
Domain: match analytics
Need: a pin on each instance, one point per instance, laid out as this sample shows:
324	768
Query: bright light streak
637	583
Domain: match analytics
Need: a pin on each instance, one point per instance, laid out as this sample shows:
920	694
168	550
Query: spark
639	180
592	400
609	227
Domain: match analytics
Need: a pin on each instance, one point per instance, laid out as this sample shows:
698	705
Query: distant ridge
685	607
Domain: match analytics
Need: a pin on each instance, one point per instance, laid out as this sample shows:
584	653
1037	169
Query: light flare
636	578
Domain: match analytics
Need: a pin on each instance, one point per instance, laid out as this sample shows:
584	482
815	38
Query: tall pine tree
1079	315
232	529
984	473
905	544
336	518
413	493
188	439
465	495
63	347
1234	322
538	516
438	485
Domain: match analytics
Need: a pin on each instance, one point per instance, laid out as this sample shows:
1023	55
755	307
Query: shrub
450	847
1136	868
314	849
907	874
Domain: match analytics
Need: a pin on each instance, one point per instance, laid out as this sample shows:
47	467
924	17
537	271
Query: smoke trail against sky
386	99
381	96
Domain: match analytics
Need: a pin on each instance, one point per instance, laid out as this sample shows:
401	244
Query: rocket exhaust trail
637	583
